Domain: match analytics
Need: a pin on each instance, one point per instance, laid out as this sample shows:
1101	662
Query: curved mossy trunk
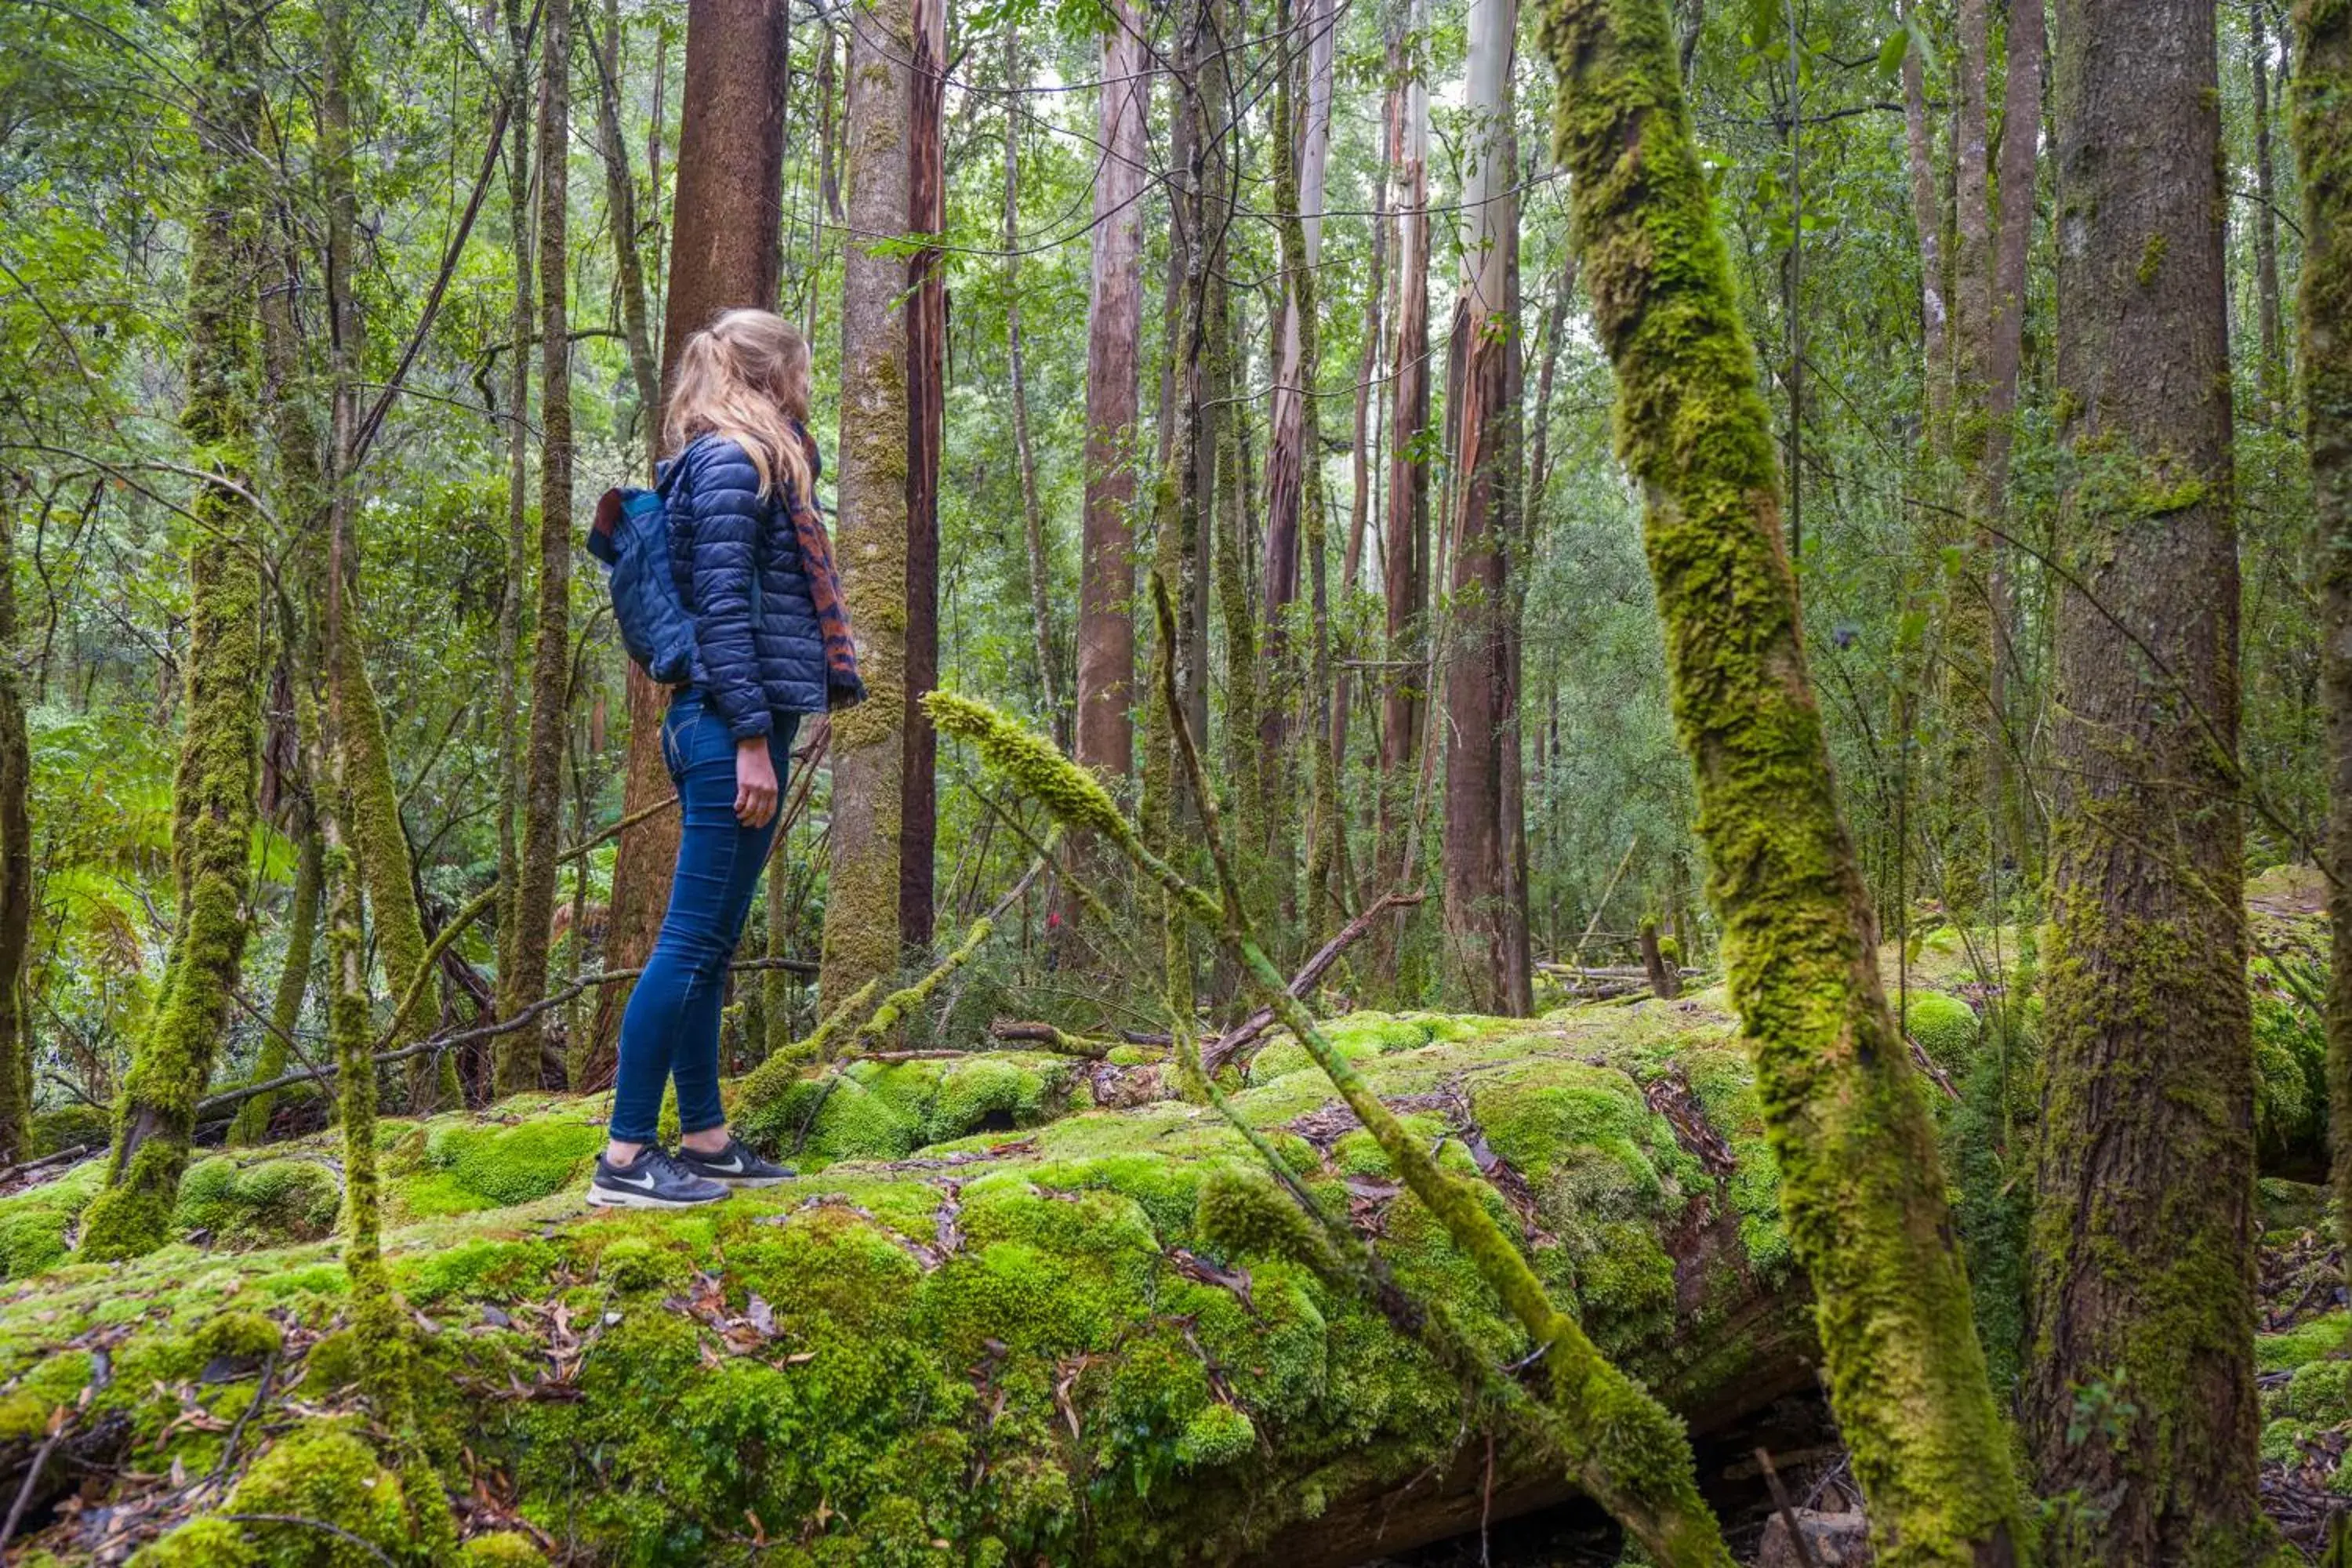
213	792
2323	153
252	1123
524	982
2142	1314
1861	1183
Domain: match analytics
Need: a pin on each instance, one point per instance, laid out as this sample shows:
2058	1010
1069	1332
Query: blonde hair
746	376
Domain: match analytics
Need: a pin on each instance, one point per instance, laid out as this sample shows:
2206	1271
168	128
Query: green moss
2305	1342
34	1220
502	1548
70	1127
1944	1027
261	1203
322	1471
886	1110
237	1336
465	1164
2151	260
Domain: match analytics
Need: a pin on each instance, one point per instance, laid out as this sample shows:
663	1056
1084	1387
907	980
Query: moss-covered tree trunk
252	1123
213	792
728	252
2139	1403
926	379
862	900
1849	1128
508	698
524	981
2322	111
15	866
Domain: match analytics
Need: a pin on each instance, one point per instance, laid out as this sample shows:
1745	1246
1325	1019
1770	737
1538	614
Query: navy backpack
631	537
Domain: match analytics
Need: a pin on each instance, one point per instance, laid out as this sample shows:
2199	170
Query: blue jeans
671	1025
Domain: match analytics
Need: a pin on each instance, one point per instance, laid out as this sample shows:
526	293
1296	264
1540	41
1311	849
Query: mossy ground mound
990	1323
993	1320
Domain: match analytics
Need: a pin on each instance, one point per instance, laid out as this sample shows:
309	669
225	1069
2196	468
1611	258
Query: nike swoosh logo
646	1181
734	1165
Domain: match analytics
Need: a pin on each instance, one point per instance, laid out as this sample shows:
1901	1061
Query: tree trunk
726	251
927	361
1178	494
212	793
1479	844
543	796
2321	107
1302	239
1106	727
16	867
508	701
1033	514
1302	150
1927	221
2142	1288
1405	556
2272	369
621	197
862	902
252	1123
1849	1125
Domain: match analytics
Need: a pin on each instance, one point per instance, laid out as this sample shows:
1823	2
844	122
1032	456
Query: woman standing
754	572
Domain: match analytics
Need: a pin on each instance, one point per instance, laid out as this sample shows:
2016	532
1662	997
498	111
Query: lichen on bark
1862	1186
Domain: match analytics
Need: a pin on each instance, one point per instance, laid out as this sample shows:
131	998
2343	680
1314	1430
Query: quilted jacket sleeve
723	508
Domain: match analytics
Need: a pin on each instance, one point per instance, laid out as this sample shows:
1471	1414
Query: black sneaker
654	1179
735	1165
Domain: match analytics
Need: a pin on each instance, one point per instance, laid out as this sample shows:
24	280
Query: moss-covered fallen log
990	1314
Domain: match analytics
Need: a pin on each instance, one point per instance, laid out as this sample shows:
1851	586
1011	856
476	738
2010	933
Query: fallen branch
1230	1043
1014	1031
62	1157
441	1042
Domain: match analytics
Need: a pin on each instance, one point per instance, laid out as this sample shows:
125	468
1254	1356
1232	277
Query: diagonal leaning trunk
1862	1186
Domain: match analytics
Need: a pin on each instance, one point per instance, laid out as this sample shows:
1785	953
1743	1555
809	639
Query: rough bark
252	1123
520	324
621	201
1032	512
1479	844
1849	1125
1405	556
525	980
861	899
213	792
2273	368
2142	1308
726	250
1302	154
927	363
2321	106
1106	727
15	866
1927	222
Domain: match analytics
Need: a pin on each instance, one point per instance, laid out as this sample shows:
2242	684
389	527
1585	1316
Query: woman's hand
755	781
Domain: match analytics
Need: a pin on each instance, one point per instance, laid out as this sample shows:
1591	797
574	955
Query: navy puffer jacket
758	650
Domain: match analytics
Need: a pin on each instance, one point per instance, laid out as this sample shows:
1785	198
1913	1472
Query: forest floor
1018	1308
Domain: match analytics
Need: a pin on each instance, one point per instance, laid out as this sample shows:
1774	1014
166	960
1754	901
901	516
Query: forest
1604	798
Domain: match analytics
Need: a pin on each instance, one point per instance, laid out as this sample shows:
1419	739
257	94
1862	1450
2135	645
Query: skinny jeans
671	1028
